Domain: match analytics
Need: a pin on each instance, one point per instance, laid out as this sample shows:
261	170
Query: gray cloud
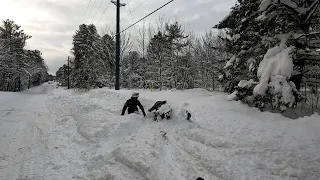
52	23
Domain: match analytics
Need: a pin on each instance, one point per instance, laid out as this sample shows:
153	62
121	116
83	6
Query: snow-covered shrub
243	90
255	26
274	73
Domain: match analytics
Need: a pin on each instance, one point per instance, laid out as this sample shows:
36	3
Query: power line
96	12
104	12
139	5
147	16
86	11
131	15
135	8
130	10
87	8
92	7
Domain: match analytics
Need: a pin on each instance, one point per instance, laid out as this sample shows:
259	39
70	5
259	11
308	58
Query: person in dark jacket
132	105
157	105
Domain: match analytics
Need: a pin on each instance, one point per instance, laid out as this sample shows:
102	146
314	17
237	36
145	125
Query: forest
20	68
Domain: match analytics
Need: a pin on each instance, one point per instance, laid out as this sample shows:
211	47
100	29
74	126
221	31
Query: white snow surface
274	70
49	134
232	96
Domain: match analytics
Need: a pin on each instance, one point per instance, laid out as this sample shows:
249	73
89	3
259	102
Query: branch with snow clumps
274	71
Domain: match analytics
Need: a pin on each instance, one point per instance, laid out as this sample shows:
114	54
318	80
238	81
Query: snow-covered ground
48	133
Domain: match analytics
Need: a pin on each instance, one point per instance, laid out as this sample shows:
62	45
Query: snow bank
224	140
274	71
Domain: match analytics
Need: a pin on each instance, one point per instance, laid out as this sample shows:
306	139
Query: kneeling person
132	105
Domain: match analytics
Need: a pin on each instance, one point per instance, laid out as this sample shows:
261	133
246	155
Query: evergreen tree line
20	68
165	55
92	64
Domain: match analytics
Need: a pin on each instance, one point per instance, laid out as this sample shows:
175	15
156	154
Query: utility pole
118	4
29	82
68	72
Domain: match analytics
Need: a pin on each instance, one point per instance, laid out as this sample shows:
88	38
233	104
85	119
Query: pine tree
211	57
88	60
177	43
62	75
244	41
106	52
132	75
35	68
158	53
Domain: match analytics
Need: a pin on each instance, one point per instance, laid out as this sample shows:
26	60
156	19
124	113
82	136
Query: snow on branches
274	72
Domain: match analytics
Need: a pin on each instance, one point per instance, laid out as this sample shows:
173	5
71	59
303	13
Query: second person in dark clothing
157	106
132	105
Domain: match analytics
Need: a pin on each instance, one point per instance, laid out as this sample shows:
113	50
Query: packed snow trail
224	140
22	146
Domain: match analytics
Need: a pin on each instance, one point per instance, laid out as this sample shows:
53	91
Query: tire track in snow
192	161
78	121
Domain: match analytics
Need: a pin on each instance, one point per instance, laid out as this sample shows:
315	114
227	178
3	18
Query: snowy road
49	134
22	151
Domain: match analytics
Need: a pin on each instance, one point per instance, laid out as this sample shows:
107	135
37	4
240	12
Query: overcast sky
52	23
